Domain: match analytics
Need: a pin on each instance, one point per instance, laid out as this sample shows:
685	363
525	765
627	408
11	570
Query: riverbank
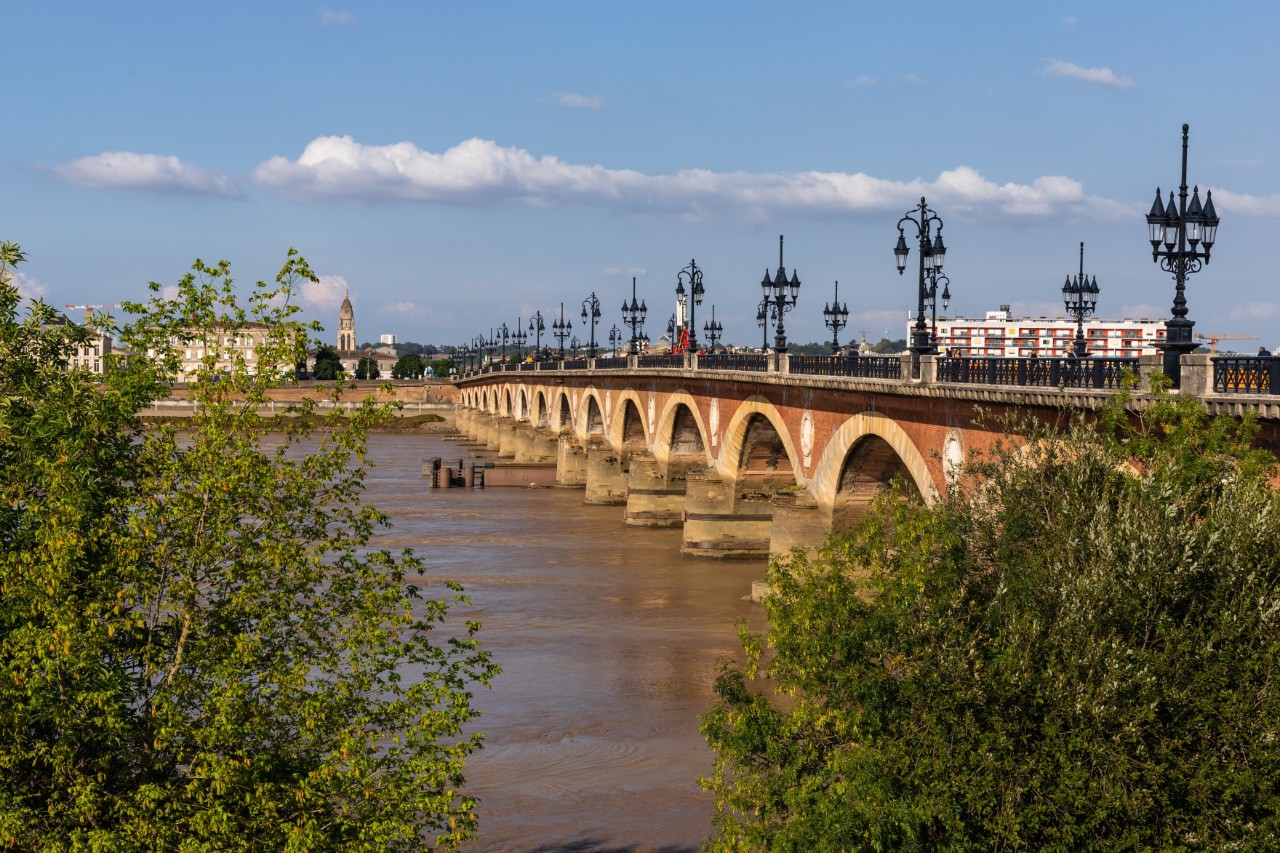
417	424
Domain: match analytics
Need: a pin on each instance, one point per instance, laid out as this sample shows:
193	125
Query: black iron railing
1246	374
611	363
1101	373
747	361
665	359
528	365
859	366
575	364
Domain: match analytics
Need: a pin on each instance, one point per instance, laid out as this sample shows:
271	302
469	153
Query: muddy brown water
608	639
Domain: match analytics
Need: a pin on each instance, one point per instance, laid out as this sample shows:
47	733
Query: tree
200	648
1074	649
367	368
408	366
328	366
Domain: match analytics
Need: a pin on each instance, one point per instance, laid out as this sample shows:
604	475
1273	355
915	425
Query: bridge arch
627	429
862	457
758	451
591	420
680	437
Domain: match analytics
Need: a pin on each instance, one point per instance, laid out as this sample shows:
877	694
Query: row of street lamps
1181	235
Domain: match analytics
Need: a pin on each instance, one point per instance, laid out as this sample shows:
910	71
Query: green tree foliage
201	647
1075	649
367	368
328	366
408	366
441	366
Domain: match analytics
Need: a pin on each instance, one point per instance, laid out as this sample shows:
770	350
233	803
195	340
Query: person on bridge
1264	352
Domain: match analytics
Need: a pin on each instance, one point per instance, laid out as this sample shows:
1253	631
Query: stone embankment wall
417	396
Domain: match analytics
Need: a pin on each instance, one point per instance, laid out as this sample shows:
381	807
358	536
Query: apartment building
1000	334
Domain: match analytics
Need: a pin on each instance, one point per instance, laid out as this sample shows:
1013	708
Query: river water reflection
608	640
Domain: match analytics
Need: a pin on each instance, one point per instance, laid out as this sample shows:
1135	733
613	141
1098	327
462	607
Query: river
608	639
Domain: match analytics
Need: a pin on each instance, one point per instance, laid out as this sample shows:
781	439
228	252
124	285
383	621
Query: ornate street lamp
520	337
762	320
561	329
932	254
616	337
780	295
591	314
491	344
713	330
693	275
574	344
932	280
1080	297
504	334
537	326
1187	233
836	317
633	315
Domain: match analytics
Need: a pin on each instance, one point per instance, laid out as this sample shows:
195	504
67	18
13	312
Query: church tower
346	326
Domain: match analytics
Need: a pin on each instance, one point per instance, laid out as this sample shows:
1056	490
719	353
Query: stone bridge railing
1202	375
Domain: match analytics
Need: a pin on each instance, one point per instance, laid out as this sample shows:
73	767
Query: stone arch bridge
752	462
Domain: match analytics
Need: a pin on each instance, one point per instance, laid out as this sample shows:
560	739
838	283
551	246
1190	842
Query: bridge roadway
751	456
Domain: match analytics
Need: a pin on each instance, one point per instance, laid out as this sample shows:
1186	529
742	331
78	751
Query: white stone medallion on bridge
608	404
952	456
713	421
652	407
806	438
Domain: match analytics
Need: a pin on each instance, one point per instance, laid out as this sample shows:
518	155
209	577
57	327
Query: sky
454	166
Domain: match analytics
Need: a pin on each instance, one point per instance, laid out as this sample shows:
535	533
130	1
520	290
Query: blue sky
459	165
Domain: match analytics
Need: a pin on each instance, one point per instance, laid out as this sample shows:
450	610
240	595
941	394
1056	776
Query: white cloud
403	311
912	78
1245	204
579	102
29	287
333	18
1097	76
324	295
169	292
479	171
865	81
1256	311
125	170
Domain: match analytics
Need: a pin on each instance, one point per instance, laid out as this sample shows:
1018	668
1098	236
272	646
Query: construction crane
1213	339
89	309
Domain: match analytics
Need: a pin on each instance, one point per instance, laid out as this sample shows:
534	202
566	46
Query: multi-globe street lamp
520	337
713	329
561	329
574	345
932	280
616	337
836	317
633	315
504	335
537	326
932	253
762	320
591	314
1187	233
690	299
780	297
1080	296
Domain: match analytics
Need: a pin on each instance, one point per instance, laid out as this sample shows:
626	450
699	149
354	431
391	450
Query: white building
999	334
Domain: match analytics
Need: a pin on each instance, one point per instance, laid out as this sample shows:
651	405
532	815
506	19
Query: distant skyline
456	166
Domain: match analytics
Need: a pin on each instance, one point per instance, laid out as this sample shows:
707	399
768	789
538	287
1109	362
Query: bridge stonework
746	464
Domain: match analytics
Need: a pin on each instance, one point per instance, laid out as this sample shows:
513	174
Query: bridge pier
533	445
798	522
719	523
571	463
606	475
507	438
653	499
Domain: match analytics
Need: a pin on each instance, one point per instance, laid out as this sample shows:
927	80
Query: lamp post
836	317
615	338
932	254
780	296
561	329
762	320
932	280
537	326
1187	233
693	275
713	330
490	344
1080	297
633	315
477	344
591	314
520	337
573	344
504	334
